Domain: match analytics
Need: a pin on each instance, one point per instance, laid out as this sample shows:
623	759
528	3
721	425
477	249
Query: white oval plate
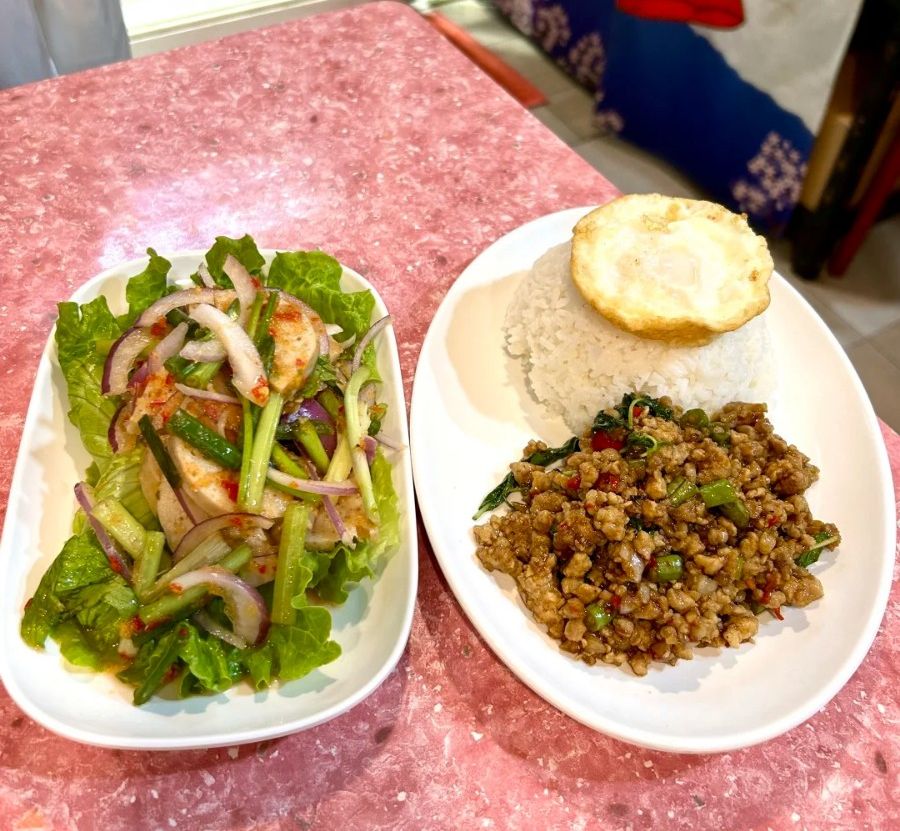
472	414
372	627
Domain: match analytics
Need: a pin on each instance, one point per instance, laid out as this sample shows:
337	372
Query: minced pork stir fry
657	530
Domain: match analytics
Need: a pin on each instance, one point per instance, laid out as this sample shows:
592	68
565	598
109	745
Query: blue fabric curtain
43	38
710	100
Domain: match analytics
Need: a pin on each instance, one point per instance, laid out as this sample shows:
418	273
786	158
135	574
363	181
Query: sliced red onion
334	515
121	358
329	442
115	434
248	375
366	339
308	486
206	395
116	561
205	277
391	444
187	297
314	411
243	604
208	527
311	409
167	347
204	351
203	620
189	511
140	375
370	446
244	285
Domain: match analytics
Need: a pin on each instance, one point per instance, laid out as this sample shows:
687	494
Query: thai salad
240	480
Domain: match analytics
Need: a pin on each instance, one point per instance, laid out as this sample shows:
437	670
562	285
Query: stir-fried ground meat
619	553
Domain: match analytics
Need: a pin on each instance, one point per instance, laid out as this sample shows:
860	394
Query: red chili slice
601	440
609	481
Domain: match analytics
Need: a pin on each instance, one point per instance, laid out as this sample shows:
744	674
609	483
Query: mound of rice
578	363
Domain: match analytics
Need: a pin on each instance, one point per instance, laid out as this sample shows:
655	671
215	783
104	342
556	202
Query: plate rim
653	740
216	739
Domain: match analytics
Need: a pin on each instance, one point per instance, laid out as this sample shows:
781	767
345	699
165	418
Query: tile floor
862	309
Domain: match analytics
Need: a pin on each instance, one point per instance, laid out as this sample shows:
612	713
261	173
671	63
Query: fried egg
666	268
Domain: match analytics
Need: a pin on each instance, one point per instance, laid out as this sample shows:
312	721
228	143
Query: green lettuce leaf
388	506
75	647
349	566
214	665
315	278
323	374
244	250
79	585
120	480
100	611
293	651
146	288
78	331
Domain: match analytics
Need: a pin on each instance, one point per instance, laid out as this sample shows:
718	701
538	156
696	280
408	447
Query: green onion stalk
354	441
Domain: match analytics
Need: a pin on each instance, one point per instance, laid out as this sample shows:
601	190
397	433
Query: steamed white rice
578	363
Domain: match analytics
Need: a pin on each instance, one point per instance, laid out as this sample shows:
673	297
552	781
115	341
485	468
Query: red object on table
516	84
723	14
883	185
366	134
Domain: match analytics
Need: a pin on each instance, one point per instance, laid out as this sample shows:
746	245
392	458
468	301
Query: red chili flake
286	311
610	481
116	566
256	284
574	483
137	625
260	391
615	602
638	412
263	569
777	613
231	488
771	585
183	632
171	672
158	329
169	380
175	588
237	521
772	521
601	440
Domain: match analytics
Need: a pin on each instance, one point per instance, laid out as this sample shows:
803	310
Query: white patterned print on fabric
587	59
777	172
520	14
551	27
606	120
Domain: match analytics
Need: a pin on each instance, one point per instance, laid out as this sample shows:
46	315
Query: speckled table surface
366	135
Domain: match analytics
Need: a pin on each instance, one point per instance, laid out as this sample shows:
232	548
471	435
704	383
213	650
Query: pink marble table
363	133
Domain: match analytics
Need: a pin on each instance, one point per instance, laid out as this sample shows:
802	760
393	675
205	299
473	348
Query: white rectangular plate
372	627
